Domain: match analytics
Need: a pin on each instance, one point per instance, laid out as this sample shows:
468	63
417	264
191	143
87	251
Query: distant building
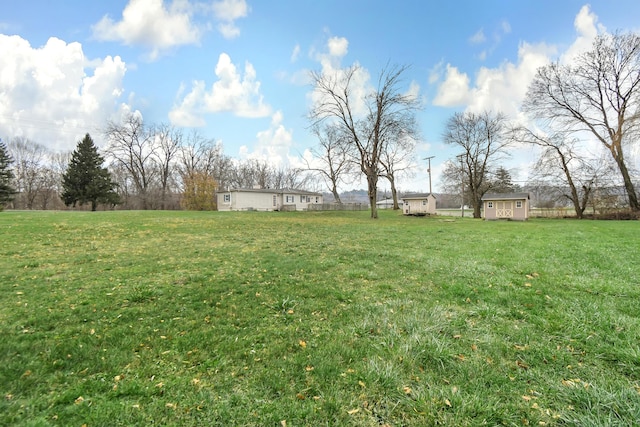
384	204
513	206
419	204
243	199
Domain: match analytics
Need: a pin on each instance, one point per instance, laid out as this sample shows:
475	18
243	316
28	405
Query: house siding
264	200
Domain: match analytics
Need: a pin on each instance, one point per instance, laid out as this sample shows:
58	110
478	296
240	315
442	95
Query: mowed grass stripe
316	318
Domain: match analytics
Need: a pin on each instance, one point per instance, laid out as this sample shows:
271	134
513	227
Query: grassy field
316	318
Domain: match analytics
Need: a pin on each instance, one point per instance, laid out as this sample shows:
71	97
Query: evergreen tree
502	182
6	175
85	180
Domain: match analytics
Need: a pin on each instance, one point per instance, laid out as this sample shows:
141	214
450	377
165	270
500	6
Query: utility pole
429	170
460	156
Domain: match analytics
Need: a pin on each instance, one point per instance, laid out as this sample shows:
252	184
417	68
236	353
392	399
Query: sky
238	70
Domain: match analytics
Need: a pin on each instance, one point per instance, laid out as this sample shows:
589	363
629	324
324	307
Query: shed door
504	209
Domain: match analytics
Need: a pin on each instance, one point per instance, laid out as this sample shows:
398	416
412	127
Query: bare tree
167	141
564	162
480	136
288	177
30	160
396	160
332	157
131	148
387	110
599	93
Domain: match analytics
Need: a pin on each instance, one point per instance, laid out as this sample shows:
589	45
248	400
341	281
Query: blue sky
237	70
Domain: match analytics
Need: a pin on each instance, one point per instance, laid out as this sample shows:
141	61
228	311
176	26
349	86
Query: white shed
419	204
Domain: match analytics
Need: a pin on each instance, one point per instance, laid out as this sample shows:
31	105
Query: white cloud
338	46
587	28
503	88
295	53
228	11
232	92
330	61
273	145
161	26
478	37
150	23
454	91
506	27
54	94
435	74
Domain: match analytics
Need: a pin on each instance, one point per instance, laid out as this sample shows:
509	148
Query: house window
275	200
518	203
227	198
317	199
490	205
424	203
301	199
291	199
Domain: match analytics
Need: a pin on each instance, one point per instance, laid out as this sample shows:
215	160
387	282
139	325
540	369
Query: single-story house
506	206
267	199
384	204
419	204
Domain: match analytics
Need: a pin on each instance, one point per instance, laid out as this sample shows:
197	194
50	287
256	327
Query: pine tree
6	175
85	180
503	183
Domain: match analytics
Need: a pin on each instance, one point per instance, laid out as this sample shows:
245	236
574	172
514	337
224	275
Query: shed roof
410	196
505	196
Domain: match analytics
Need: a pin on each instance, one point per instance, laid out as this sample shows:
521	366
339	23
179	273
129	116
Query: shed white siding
419	204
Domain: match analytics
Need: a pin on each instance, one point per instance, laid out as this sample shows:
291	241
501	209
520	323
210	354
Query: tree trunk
336	195
477	203
372	182
628	183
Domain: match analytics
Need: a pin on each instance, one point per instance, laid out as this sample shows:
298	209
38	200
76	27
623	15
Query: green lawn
314	318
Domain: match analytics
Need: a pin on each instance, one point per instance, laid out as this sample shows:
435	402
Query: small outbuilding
419	204
511	206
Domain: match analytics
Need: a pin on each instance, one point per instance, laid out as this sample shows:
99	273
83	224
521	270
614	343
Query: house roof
417	195
505	196
274	190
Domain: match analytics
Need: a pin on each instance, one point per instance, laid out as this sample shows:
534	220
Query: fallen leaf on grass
407	390
303	344
447	402
300	396
171	405
79	400
353	411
